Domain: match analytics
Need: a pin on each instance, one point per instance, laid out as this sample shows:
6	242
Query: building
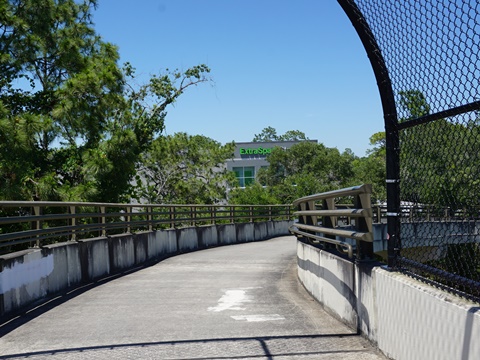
252	156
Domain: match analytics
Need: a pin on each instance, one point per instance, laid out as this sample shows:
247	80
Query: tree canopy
186	169
439	160
72	127
269	134
308	167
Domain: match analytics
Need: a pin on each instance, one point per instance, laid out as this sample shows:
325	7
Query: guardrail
318	220
35	223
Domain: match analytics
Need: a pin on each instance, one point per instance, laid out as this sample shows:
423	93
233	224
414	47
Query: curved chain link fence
426	57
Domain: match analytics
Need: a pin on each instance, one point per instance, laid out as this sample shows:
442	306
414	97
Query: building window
245	175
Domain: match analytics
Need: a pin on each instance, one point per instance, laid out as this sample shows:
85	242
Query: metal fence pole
385	88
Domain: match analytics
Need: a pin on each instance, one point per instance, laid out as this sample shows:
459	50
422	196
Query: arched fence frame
426	60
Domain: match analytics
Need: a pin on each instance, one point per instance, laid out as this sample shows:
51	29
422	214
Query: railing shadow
12	321
267	347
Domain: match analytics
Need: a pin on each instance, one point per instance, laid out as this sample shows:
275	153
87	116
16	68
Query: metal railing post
149	218
364	224
327	221
103	231
172	217
37	210
73	222
129	210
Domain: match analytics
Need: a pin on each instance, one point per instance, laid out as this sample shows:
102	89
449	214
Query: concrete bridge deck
236	302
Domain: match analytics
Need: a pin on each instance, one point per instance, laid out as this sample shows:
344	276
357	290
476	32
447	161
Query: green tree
414	104
59	81
66	108
328	165
439	159
184	169
270	134
254	194
293	135
133	129
306	168
371	169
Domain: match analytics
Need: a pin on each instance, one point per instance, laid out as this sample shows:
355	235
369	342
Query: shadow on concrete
12	321
467	337
346	290
215	349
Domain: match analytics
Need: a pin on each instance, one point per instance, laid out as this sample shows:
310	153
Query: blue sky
292	65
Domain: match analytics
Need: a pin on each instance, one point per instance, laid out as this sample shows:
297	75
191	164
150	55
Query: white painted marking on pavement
273	317
232	300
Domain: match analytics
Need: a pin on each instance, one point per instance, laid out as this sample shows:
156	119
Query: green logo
255	151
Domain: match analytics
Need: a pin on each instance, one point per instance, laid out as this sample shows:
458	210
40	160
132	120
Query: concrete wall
31	275
405	318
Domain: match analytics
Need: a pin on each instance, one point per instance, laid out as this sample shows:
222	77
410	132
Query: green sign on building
255	151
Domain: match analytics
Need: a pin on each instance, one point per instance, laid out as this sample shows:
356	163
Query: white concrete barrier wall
407	319
67	269
278	228
261	231
33	274
207	236
187	239
227	234
25	280
122	253
95	258
245	232
141	247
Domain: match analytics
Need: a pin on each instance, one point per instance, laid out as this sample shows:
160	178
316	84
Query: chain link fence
426	58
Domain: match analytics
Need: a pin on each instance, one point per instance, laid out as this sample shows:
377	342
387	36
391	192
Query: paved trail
235	302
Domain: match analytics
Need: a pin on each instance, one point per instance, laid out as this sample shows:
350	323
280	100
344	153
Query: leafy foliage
307	168
433	170
270	134
71	125
184	169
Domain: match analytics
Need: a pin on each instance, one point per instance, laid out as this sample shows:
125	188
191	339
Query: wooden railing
321	221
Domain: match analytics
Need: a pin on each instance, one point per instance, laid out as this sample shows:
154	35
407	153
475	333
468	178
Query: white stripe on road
273	317
232	300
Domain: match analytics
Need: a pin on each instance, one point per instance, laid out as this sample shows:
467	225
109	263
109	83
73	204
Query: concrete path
236	302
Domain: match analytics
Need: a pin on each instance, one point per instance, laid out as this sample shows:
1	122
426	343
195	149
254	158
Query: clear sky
289	64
